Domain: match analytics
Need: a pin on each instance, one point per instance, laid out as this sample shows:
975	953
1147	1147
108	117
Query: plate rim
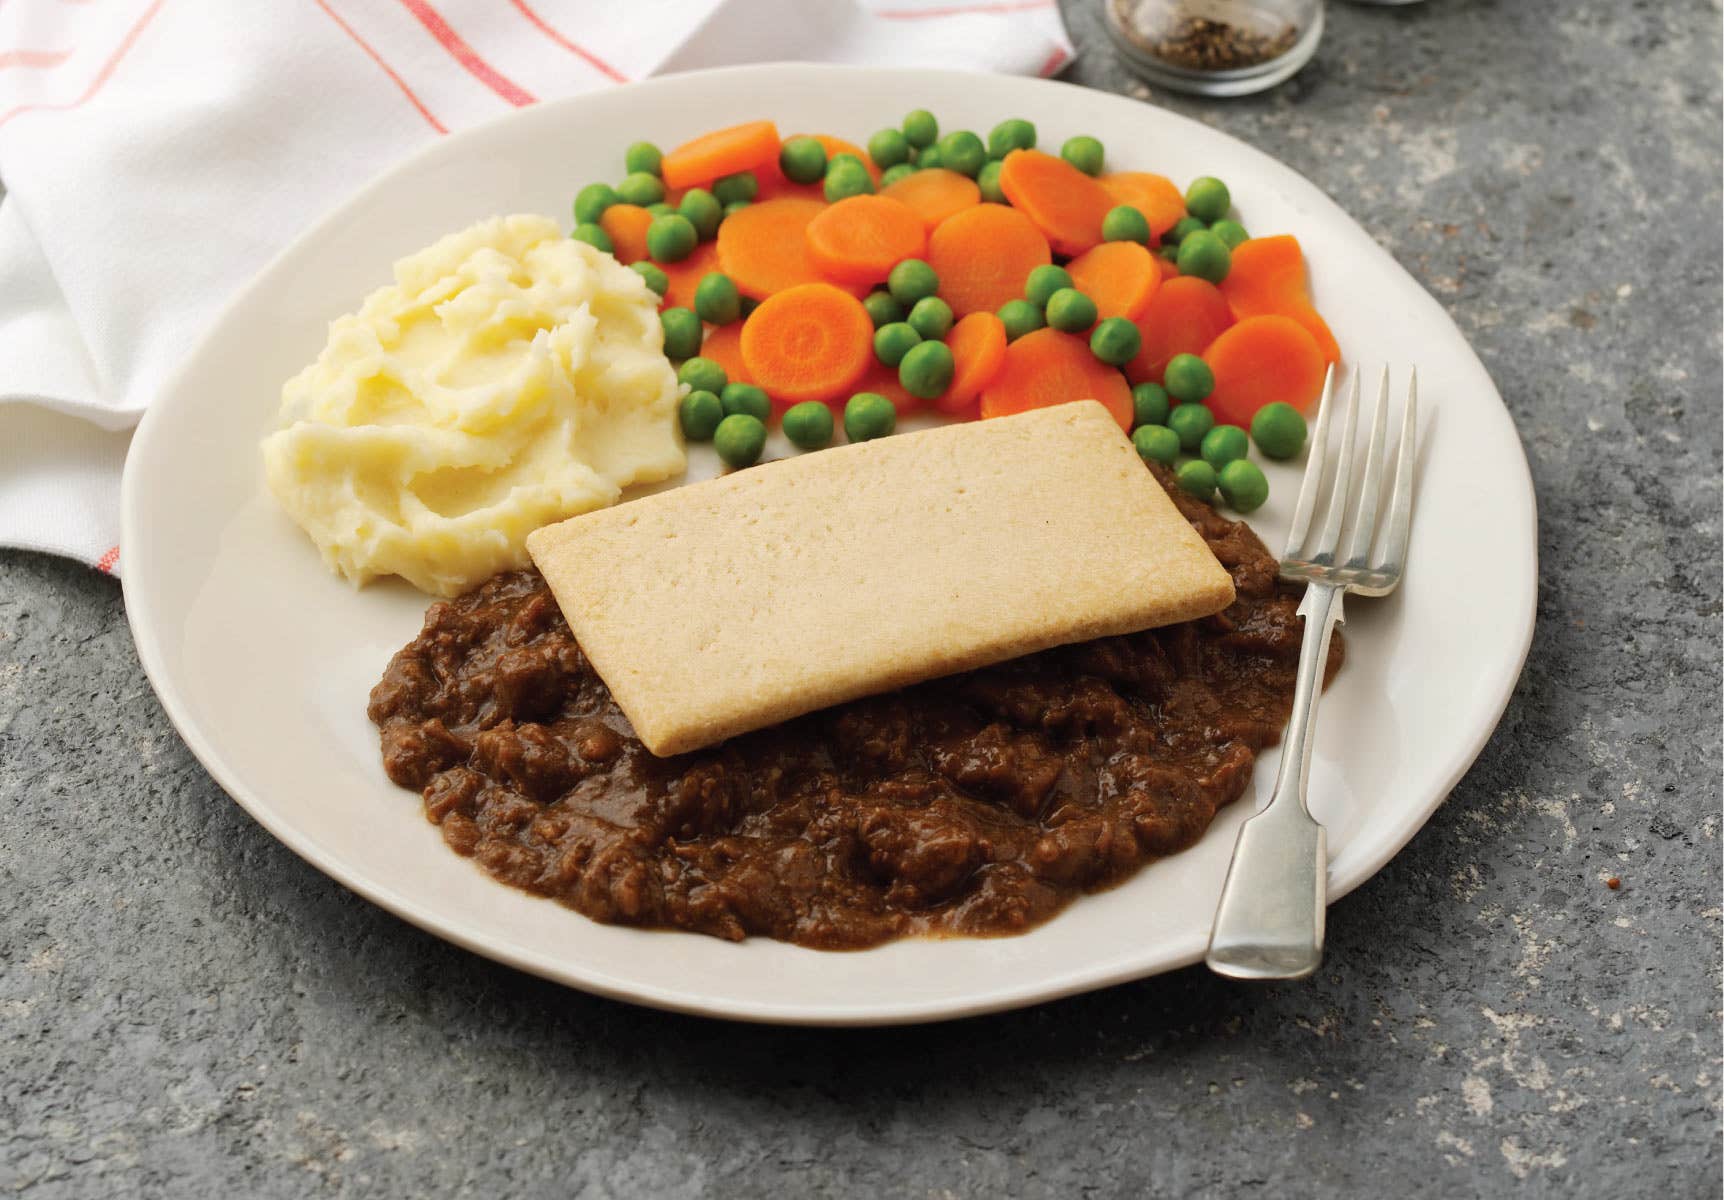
143	624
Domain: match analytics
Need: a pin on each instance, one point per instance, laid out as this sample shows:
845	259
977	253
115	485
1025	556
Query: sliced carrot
763	247
723	345
686	275
626	225
774	183
978	346
861	238
810	342
1120	277
722	152
1183	317
1262	360
982	256
837	145
883	380
1048	367
935	194
1154	196
1065	204
1268	278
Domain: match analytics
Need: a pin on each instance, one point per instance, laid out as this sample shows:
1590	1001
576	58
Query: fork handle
1269	924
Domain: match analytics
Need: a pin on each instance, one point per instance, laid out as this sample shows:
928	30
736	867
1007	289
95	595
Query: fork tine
1330	537
1364	524
1397	527
1313	470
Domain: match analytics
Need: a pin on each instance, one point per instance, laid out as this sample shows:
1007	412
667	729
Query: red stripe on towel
102	76
387	69
580	52
468	57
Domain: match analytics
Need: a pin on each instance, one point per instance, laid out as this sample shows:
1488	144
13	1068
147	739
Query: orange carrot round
763	247
686	275
978	346
1183	317
1154	196
1121	277
860	239
626	224
982	256
935	194
723	345
1049	367
1065	204
1259	361
1268	278
837	145
809	342
722	152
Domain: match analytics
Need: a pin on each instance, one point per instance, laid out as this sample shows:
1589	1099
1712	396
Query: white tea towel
156	153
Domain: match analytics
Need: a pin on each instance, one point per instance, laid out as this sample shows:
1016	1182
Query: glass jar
1215	47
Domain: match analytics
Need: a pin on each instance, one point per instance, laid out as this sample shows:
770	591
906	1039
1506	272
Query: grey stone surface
186	1009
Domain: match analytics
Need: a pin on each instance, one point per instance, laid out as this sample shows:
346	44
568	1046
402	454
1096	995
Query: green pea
920	128
802	159
656	279
1279	430
1230	232
931	317
682	332
739	439
592	200
700	412
642	157
1190	422
1014	133
1043	282
988	179
892	342
963	152
1223	444
671	238
1085	153
846	177
716	299
1168	254
926	371
740	186
808	425
1071	311
882	309
929	158
1188	379
888	148
868	415
1205	256
703	211
892	175
912	280
734	207
703	375
641	188
593	235
1181	228
1196	477
1020	317
1125	224
661	209
1149	404
1156	443
1243	485
1115	341
1207	199
745	398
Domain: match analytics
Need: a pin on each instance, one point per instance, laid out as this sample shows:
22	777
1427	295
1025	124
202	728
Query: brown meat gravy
978	804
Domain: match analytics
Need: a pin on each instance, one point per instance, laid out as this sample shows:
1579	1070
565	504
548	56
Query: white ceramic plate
263	660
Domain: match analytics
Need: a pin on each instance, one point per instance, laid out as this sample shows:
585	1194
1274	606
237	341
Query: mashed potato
510	377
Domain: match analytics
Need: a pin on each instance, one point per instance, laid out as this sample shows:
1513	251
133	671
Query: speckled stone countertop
187	1009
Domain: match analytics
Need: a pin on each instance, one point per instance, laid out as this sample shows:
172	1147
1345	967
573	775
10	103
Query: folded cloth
157	153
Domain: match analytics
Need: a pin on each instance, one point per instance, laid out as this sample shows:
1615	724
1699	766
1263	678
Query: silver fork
1269	924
